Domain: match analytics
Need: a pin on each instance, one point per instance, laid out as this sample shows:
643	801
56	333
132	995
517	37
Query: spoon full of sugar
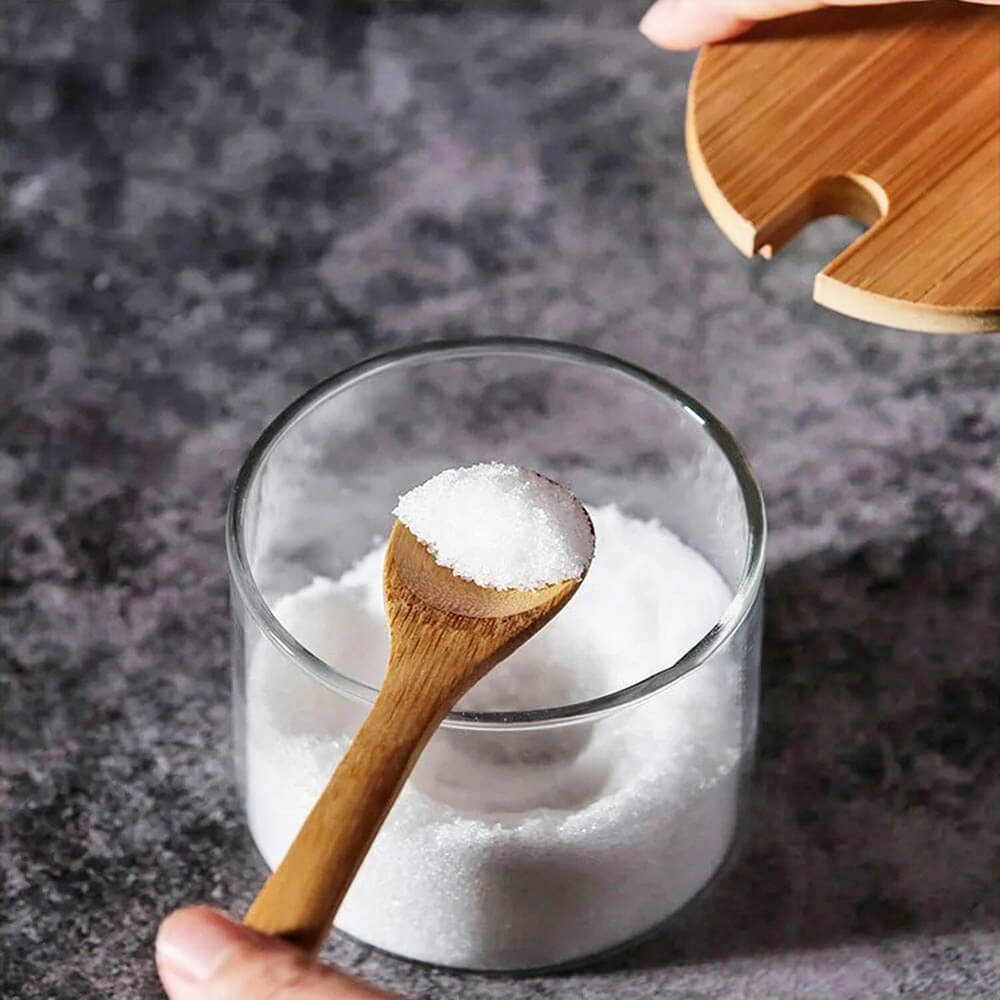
479	560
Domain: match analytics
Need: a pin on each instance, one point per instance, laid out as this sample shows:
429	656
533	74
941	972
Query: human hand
202	954
688	24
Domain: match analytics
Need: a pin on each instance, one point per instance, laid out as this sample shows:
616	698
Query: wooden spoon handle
299	900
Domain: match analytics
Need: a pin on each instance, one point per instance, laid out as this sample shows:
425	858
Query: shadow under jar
590	785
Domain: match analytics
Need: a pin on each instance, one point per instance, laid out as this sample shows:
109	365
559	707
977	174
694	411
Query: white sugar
519	849
500	526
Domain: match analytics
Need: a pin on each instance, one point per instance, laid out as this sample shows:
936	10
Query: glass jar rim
591	709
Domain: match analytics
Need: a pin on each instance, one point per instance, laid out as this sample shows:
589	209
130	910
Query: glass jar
570	803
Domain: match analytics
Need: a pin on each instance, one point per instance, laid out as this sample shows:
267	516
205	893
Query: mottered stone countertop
208	207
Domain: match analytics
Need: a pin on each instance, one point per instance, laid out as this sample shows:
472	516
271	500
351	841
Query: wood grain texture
890	115
446	634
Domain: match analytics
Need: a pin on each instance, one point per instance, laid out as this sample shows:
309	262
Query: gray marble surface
208	206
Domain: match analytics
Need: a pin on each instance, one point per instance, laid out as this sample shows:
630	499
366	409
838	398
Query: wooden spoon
446	634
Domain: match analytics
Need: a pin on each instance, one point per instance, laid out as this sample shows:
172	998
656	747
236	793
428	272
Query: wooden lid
890	115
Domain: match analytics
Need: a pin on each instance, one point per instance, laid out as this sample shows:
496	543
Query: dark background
210	206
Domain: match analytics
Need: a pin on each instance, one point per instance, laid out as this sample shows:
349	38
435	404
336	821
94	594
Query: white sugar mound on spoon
500	526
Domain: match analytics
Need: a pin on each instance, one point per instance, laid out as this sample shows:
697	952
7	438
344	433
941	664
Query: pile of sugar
520	849
500	526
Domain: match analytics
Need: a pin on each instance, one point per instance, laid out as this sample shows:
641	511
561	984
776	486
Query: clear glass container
578	797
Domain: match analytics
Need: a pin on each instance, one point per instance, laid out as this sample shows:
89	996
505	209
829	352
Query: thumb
688	24
202	954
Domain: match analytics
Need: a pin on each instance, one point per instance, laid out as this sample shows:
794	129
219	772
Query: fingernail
689	24
193	942
655	19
